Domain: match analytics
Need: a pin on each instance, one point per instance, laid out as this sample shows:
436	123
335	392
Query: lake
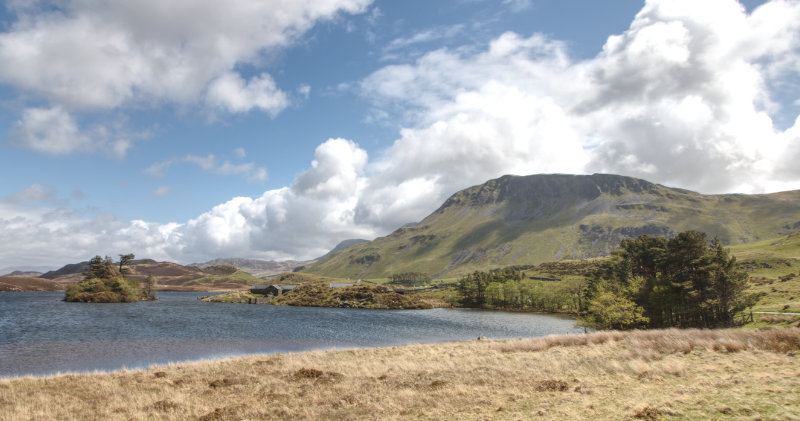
42	335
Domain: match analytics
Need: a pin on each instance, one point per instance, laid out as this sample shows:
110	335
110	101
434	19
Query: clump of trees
104	282
511	288
410	279
686	282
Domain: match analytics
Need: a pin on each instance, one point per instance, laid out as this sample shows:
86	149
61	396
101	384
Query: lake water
41	335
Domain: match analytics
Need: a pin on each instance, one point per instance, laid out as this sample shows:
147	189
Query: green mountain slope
516	220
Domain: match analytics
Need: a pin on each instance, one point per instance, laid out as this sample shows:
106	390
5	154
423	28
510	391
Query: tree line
410	279
511	288
649	282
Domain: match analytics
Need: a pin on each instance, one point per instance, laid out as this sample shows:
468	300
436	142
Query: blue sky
275	130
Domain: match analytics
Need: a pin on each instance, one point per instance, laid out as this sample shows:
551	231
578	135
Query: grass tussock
649	375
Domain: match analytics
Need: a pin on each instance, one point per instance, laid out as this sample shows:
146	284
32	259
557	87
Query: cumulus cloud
301	221
210	163
334	171
684	97
50	130
53	131
56	236
232	93
84	57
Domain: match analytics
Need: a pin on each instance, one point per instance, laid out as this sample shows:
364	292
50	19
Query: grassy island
646	375
104	283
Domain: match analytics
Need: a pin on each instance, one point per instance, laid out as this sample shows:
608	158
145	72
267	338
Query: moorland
649	375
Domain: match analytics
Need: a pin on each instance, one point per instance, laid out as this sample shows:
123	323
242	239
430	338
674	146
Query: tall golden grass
660	374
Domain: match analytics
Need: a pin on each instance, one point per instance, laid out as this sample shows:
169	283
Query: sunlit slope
517	220
774	269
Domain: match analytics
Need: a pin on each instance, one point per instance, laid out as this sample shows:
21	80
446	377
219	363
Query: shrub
110	290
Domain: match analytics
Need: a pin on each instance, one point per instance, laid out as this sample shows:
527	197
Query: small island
318	292
104	282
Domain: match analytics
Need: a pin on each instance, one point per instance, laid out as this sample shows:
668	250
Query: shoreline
603	375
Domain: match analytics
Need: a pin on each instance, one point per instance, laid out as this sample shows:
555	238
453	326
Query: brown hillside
20	284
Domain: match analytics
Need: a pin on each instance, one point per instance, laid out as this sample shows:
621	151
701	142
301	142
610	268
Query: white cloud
50	130
682	98
232	93
161	191
334	171
304	91
53	131
36	192
518	5
302	221
88	57
210	163
425	36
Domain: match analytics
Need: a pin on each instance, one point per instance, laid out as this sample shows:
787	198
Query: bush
110	290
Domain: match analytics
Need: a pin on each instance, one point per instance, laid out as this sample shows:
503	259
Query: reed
660	374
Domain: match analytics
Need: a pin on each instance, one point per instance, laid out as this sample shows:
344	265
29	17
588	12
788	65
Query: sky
274	129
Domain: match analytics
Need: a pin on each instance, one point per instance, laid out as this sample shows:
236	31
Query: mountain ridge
256	267
517	220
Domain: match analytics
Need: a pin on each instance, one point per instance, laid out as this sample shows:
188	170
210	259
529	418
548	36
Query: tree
100	268
686	281
611	311
473	288
125	260
150	284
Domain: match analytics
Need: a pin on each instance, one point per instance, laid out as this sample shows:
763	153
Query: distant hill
517	220
70	269
25	283
24	274
169	276
255	267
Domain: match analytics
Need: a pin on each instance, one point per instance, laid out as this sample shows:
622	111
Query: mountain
255	267
523	220
343	245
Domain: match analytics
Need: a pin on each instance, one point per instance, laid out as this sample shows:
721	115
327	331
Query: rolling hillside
169	276
26	283
255	267
517	220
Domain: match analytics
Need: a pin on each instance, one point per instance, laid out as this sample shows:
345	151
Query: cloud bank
84	59
684	97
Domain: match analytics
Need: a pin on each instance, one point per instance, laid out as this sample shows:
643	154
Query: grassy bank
321	295
727	374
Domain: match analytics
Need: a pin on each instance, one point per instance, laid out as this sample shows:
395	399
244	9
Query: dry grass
667	374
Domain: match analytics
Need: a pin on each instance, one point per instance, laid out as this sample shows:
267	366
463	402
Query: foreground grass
668	374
